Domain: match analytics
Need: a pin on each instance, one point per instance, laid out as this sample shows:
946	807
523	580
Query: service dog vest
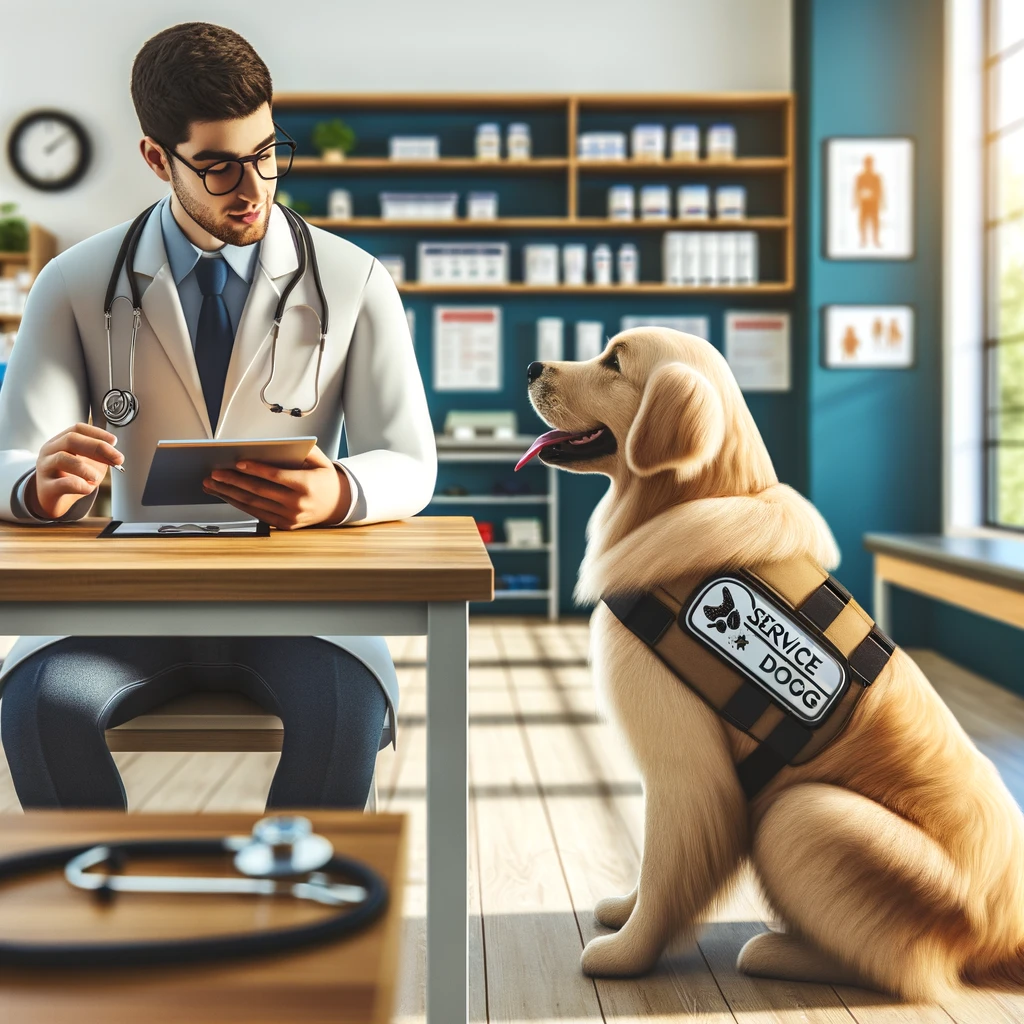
782	652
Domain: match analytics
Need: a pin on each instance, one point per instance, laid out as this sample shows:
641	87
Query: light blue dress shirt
183	255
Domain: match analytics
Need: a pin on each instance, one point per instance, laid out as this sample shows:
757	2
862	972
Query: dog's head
655	401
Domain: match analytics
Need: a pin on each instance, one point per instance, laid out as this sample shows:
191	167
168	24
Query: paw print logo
723	616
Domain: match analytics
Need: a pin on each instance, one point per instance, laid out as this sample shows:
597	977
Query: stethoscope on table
282	857
121	406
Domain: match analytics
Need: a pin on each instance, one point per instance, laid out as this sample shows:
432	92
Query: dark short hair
196	72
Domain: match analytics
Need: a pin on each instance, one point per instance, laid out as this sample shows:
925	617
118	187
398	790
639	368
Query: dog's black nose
533	371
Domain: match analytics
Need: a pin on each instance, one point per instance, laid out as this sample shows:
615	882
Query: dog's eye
612	362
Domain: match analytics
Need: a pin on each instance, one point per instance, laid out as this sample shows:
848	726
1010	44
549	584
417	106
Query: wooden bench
207	722
982	574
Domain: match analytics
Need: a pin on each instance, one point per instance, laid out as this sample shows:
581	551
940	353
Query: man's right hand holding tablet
70	465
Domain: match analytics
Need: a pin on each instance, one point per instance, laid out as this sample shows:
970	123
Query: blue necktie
214	336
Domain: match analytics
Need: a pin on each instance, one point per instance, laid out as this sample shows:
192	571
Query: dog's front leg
694	835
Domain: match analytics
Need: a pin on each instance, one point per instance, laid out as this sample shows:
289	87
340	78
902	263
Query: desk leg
880	611
447	812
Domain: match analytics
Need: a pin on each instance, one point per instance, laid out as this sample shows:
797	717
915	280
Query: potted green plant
13	230
333	139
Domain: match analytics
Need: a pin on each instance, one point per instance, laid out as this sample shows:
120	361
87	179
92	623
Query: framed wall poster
868	337
869	199
467	348
757	350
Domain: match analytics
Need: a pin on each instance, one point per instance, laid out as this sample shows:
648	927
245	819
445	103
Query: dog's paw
610	956
614	912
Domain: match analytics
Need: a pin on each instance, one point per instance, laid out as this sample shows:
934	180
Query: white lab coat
369	379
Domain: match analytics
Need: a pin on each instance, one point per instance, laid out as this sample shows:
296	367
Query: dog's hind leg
878	898
694	836
614	911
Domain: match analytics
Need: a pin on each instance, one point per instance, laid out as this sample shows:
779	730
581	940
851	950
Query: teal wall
874	455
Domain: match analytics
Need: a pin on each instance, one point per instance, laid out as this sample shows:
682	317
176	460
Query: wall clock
49	150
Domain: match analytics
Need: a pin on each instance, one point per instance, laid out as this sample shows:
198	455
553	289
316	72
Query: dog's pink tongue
551	437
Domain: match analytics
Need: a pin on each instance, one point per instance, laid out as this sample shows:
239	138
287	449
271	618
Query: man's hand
289	499
69	466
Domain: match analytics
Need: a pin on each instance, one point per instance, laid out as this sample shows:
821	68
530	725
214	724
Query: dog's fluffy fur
895	858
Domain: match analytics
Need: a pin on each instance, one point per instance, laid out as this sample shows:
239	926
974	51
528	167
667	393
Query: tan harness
782	652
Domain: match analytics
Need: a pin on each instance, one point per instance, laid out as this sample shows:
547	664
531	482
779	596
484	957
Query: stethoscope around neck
121	406
282	857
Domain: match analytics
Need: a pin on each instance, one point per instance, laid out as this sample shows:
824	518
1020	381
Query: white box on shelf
540	264
601	146
523	533
628	263
728	258
517	142
672	257
482	206
730	202
339	204
395	266
488	141
686	143
574	263
414	147
721	142
709	252
589	339
550	339
463	262
621	202
746	257
419	205
693	202
655	202
648	142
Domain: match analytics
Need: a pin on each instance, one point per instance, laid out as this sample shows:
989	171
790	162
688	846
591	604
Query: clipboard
178	468
112	530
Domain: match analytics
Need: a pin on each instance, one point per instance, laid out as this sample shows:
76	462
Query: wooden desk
982	574
413	576
350	980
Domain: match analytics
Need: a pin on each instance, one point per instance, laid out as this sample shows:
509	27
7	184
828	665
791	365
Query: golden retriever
895	857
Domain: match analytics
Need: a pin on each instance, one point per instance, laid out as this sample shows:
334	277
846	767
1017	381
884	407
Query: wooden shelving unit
42	247
575	108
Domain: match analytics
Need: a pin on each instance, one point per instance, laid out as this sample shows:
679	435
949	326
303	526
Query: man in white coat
212	261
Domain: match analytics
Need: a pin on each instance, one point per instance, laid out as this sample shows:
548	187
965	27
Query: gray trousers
58	702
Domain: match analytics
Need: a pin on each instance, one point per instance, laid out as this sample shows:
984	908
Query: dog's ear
680	424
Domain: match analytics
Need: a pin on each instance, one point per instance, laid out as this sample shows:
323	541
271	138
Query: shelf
741	165
521	593
517	547
767	288
10	318
490	499
14	257
420	101
549	224
358	164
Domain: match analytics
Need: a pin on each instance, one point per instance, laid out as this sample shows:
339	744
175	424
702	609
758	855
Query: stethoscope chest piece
283	846
120	407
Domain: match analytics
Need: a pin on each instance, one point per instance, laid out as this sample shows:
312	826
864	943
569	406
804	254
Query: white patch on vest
767	646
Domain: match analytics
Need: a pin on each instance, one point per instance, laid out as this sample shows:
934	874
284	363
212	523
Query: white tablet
179	468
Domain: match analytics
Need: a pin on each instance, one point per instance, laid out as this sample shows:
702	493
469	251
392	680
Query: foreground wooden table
409	577
350	980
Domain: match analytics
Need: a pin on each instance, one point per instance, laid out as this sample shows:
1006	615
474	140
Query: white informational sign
697	325
467	348
880	337
870	199
757	350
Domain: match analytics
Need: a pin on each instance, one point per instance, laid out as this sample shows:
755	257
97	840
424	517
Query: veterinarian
211	262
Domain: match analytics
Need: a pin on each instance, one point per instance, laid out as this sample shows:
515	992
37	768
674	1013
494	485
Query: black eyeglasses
272	161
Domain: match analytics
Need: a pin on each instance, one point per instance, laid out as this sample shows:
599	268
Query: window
1004	263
